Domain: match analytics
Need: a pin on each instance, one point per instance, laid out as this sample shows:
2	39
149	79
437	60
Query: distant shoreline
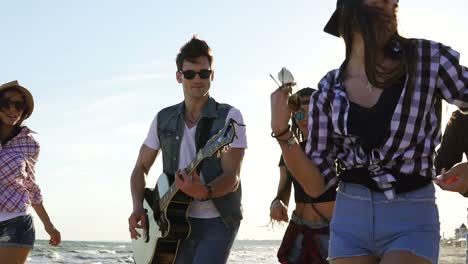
129	241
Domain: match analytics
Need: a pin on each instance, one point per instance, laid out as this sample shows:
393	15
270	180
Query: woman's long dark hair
375	27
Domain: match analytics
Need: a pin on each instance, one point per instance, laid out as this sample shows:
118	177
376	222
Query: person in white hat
18	188
374	124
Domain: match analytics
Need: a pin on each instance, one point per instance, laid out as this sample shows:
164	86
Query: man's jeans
210	242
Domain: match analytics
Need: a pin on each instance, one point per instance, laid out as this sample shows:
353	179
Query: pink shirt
18	188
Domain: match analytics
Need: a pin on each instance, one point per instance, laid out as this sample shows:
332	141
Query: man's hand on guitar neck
191	185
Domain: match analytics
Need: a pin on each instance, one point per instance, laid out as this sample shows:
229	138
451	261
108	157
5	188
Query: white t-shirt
198	209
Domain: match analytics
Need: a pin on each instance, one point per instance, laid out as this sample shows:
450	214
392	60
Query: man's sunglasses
6	104
190	74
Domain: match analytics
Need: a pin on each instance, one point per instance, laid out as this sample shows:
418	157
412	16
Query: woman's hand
279	211
280	112
455	179
54	234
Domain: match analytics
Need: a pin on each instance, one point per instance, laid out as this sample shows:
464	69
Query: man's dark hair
193	49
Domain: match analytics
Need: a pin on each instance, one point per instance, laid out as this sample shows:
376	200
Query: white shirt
197	209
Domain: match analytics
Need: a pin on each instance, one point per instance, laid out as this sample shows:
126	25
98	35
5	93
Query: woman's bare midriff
306	212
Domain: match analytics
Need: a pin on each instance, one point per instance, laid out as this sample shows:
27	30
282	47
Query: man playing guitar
215	209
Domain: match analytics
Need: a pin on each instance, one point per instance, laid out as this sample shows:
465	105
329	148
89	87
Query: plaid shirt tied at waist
415	124
310	252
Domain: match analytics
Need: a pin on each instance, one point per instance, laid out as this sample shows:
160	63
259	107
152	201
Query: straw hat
27	96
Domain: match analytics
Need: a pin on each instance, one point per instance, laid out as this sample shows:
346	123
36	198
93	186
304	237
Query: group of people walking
360	152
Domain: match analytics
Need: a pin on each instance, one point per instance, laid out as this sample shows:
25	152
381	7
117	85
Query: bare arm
55	237
303	169
279	206
145	160
451	149
284	186
231	162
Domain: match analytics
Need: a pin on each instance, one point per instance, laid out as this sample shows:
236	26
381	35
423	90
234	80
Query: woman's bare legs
14	255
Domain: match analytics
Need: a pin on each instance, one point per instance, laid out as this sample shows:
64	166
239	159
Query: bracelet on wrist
276	135
210	192
290	141
284	137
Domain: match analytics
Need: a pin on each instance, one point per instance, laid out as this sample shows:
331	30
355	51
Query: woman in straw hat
373	126
18	188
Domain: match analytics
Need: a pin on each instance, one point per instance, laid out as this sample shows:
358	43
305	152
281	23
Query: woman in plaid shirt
18	189
373	126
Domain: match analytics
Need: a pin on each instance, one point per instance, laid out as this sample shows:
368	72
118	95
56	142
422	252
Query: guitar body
174	223
144	247
167	208
162	241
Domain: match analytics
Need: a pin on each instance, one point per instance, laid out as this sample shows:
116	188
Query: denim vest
171	126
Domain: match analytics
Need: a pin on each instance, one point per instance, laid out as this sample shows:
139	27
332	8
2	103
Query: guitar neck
194	163
174	188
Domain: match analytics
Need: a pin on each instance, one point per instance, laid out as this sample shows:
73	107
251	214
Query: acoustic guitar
166	207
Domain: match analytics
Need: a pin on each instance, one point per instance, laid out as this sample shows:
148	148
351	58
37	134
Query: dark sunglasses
299	115
190	74
6	104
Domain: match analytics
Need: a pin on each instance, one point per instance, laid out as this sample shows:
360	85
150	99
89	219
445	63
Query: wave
92	252
258	252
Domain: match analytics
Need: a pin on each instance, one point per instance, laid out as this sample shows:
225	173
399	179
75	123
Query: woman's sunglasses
190	74
299	115
5	104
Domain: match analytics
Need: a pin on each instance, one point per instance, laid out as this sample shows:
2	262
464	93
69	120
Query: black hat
332	26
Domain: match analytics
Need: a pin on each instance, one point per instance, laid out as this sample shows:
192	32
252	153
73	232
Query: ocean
243	251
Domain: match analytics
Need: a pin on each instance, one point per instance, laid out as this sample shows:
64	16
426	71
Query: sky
100	70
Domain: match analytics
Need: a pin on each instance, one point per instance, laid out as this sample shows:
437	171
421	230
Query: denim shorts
366	223
17	232
321	240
